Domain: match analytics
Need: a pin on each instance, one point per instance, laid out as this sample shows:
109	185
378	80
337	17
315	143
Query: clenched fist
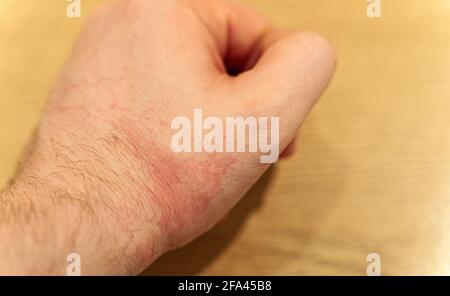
100	177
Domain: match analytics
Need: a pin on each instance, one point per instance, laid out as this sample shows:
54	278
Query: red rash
180	186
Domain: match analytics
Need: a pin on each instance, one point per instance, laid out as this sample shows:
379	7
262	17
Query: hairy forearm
73	194
31	238
69	209
41	225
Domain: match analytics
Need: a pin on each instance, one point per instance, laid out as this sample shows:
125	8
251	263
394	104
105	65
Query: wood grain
372	172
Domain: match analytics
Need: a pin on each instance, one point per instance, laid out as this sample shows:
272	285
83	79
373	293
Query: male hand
100	178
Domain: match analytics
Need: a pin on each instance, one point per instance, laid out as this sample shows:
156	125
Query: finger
224	218
235	29
289	77
289	151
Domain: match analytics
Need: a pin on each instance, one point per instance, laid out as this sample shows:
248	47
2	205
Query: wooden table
372	173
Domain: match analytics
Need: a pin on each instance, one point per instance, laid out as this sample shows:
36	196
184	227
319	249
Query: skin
100	178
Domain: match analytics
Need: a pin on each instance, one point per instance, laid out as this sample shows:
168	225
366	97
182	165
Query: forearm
41	223
31	238
40	226
73	194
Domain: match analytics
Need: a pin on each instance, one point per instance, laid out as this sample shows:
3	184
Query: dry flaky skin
100	178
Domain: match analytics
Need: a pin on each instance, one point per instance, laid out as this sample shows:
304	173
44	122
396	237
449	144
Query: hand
100	177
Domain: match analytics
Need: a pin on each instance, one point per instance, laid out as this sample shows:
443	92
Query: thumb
291	72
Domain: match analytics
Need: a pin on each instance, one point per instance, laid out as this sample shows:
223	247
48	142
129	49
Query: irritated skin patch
179	186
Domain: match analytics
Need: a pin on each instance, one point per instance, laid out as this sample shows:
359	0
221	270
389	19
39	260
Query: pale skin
100	178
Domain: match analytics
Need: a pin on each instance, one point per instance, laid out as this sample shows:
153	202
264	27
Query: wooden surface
372	173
